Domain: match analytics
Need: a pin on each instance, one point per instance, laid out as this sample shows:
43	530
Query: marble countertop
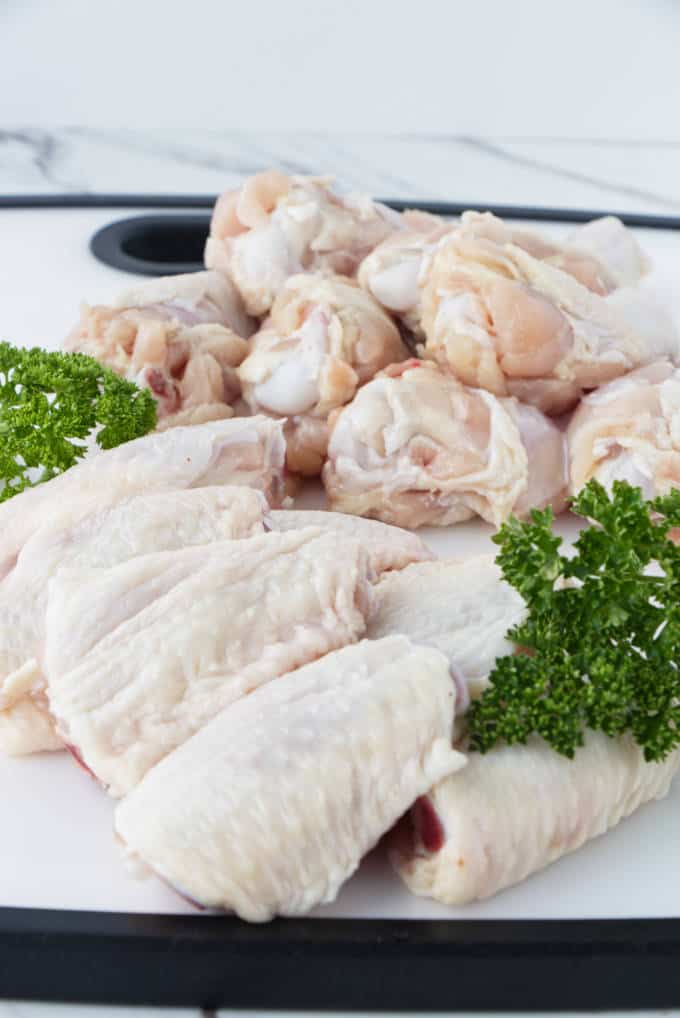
630	176
640	176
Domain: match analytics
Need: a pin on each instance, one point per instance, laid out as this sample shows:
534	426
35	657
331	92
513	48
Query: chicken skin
512	322
146	523
179	336
609	244
602	255
388	548
270	808
240	452
464	609
324	338
275	226
140	656
629	430
415	448
245	451
517	809
392	271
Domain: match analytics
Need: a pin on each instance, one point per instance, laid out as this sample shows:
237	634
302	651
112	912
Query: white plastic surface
56	843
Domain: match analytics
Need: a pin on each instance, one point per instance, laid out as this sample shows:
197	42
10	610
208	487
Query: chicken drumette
182	337
629	430
416	447
275	226
508	313
324	338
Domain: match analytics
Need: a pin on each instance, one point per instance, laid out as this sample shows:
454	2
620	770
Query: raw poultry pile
270	691
311	299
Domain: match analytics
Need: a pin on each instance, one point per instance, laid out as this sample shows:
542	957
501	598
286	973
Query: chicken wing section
629	430
387	547
416	447
141	656
269	809
59	514
324	338
136	526
392	272
602	255
518	323
463	608
245	451
607	243
179	336
275	226
517	809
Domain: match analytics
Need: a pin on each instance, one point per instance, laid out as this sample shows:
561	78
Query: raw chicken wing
602	254
629	430
246	451
179	336
497	317
141	656
136	526
464	609
270	808
194	298
324	338
392	271
387	547
517	809
241	452
275	226
416	447
609	243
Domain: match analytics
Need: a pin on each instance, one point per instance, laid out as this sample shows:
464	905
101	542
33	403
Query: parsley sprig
600	646
51	402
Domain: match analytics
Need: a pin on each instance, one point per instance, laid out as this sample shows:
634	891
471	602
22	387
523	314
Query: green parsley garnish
51	402
602	634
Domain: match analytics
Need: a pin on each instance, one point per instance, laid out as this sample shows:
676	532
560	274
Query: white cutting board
56	843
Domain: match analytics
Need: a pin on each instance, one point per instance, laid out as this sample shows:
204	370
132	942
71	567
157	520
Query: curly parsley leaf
51	402
601	640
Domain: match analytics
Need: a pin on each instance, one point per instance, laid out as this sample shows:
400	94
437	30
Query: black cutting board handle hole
153	245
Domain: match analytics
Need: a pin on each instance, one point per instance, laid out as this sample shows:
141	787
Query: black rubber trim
106	201
343	965
156	245
648	220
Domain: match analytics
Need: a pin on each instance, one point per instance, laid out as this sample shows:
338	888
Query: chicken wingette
517	809
387	547
136	526
244	452
140	656
270	808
